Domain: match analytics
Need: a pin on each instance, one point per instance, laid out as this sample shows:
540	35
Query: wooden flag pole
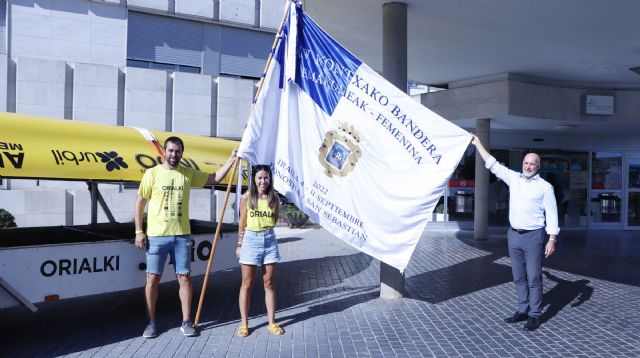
215	242
273	50
235	167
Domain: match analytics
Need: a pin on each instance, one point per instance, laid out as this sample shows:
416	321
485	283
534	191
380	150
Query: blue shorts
259	248
179	247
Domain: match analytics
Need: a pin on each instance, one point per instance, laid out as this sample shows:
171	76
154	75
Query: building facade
587	138
192	67
180	66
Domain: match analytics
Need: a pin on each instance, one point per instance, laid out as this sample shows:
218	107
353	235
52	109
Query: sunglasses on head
256	168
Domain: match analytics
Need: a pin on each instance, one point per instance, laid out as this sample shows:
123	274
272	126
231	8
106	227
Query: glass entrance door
607	190
632	207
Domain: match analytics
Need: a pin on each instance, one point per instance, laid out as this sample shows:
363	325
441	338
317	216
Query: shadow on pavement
562	294
441	270
82	324
298	283
289	239
340	303
614	252
459	279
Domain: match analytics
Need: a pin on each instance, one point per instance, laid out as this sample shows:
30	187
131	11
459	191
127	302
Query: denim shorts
259	248
179	247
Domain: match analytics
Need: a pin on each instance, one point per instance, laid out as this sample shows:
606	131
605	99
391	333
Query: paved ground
458	292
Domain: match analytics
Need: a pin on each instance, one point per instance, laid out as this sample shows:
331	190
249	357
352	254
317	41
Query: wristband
139	232
239	244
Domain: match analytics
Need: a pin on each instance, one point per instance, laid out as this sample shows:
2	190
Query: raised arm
217	177
496	168
484	153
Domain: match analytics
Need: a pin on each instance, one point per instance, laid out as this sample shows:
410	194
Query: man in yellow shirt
166	188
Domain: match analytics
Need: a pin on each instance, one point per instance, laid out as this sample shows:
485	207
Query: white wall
95	93
70	30
234	102
4	81
192	111
271	12
145	98
200	204
200	8
160	5
41	86
478	101
121	205
229	211
240	11
40	185
543	101
73	207
36	208
515	95
67	59
117	2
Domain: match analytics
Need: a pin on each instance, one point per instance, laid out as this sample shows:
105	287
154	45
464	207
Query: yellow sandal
275	329
243	331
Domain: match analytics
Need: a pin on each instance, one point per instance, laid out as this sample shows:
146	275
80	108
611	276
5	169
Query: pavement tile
458	290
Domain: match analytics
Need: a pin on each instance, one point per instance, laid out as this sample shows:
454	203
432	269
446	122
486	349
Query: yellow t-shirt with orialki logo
168	194
262	217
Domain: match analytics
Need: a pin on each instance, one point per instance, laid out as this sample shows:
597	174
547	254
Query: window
163	66
173	44
244	52
164	43
566	171
606	187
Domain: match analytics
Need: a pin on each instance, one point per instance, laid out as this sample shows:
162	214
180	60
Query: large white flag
356	154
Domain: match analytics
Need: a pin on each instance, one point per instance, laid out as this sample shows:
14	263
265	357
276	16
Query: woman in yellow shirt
257	245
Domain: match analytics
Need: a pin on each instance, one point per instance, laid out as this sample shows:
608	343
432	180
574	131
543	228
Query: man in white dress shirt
532	209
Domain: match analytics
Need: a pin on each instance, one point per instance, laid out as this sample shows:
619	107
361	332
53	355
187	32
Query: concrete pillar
481	206
394	69
394	44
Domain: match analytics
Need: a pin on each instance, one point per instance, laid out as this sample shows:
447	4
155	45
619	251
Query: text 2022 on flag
355	153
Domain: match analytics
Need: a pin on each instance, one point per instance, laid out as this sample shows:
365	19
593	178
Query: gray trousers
526	251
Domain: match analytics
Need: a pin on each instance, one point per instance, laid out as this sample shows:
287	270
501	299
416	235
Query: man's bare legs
151	294
186	293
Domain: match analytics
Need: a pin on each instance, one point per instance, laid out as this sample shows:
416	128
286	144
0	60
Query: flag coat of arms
356	154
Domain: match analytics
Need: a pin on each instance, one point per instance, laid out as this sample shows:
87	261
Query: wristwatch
553	239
